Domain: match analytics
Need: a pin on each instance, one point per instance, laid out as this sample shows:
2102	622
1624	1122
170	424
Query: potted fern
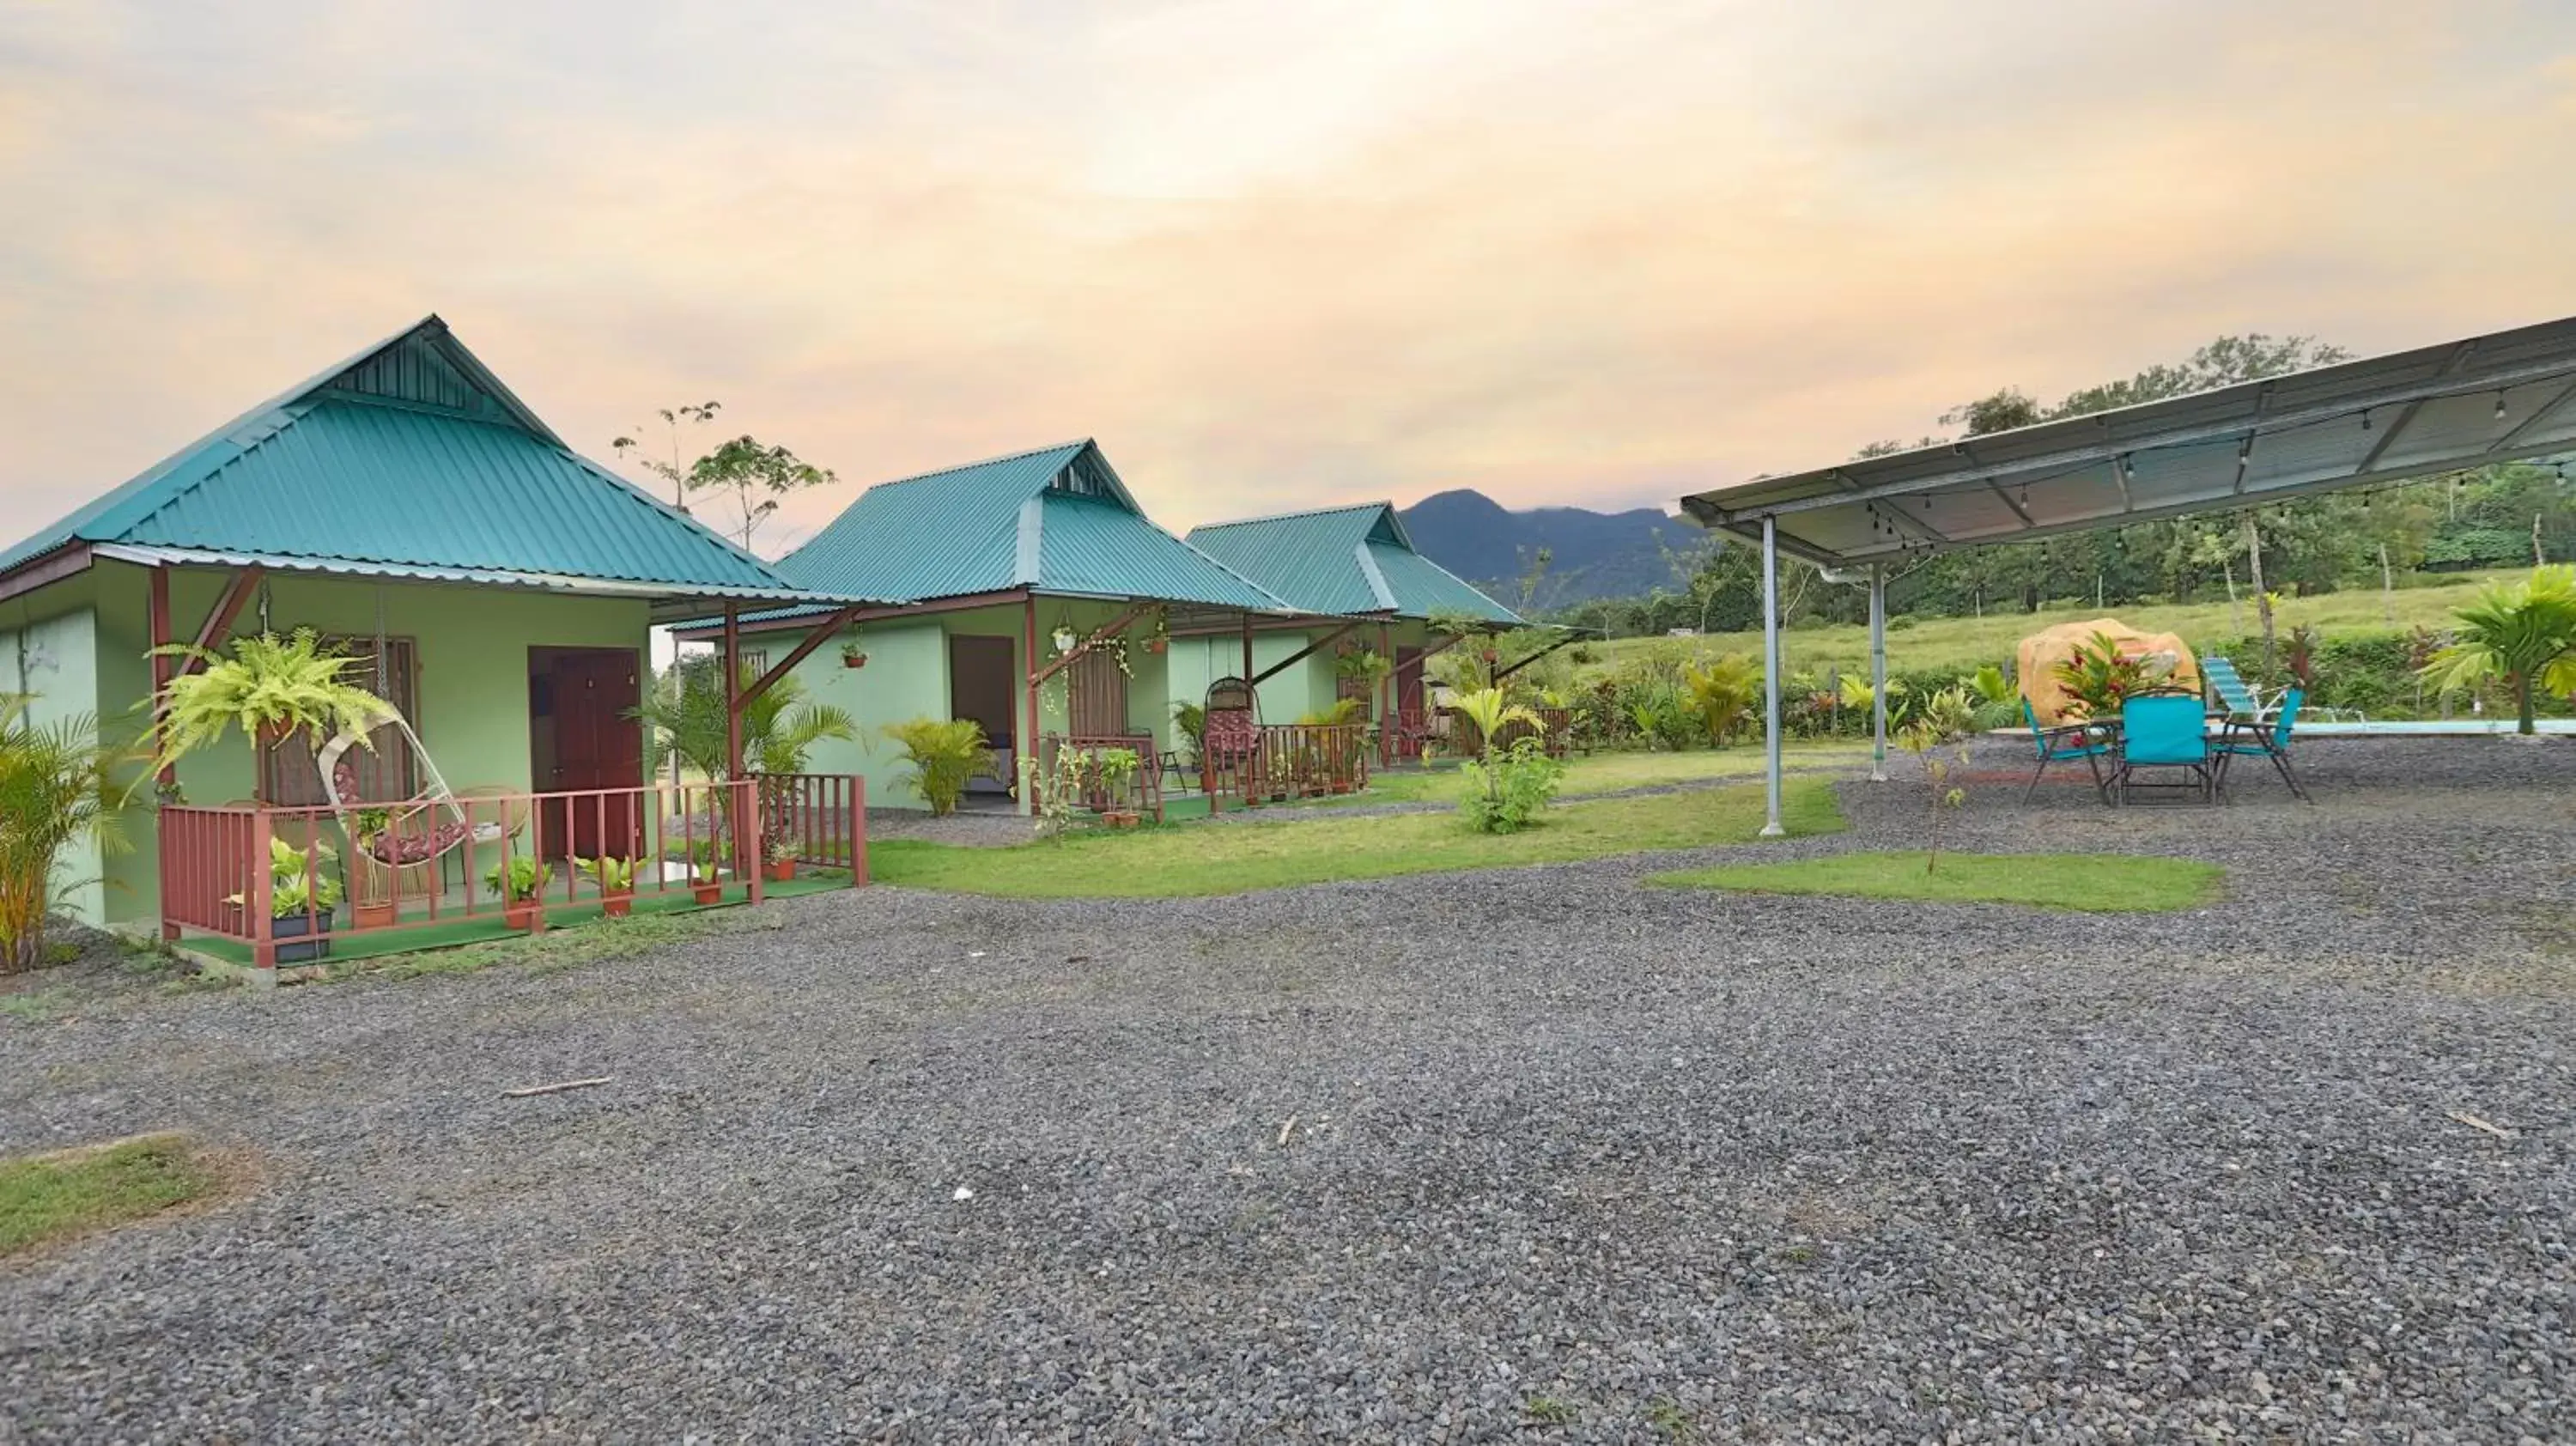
616	880
521	881
270	688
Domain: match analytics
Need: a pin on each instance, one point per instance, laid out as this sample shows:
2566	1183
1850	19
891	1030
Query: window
387	773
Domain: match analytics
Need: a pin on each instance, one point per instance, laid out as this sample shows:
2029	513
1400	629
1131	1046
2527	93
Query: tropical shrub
270	688
55	789
1945	718
2097	677
2521	635
1723	694
1190	721
1508	787
944	754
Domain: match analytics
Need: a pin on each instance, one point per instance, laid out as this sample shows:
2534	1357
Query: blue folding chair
2257	740
2064	744
2229	688
2167	731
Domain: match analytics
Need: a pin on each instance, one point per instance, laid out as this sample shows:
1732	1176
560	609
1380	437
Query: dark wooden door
979	687
598	745
1408	680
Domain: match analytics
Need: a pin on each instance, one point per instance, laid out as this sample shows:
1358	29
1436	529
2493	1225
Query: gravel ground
1533	1154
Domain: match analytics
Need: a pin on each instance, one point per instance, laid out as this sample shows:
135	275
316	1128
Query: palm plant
55	789
1723	694
2521	634
944	754
686	716
272	689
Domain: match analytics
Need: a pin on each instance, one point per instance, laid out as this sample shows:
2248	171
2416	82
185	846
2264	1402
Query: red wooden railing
1290	760
1401	740
817	818
1139	791
216	877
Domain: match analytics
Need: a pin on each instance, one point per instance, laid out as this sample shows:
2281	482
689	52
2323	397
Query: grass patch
70	1193
557	949
1599	773
1205	859
1963	643
2087	883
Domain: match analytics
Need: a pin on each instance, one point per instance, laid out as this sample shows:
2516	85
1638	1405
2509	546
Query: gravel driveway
1535	1155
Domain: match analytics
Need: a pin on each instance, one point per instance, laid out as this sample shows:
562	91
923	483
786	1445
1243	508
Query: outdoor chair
2228	689
2064	744
2167	731
2257	740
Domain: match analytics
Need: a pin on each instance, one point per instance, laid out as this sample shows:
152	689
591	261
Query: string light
2365	419
2499	406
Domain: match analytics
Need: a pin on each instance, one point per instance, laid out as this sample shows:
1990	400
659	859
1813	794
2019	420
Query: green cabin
495	585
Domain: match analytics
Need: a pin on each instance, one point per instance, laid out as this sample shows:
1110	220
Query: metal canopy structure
2501	397
2494	398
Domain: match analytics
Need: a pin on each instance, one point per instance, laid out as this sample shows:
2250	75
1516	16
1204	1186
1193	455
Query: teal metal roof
1056	520
1345	560
410	460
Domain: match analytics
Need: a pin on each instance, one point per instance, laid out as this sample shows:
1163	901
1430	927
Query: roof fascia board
45	569
2070	458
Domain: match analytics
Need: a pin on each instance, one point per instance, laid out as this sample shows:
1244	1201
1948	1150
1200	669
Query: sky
1272	255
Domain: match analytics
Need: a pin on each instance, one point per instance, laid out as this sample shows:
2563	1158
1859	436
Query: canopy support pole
1878	672
1771	676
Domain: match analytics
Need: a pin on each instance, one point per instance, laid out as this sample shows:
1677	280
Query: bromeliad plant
55	790
272	689
2522	635
615	876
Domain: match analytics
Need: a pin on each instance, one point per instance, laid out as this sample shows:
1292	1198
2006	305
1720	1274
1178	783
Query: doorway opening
981	686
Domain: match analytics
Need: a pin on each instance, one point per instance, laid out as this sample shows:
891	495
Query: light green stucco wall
48	652
472	645
1308	686
906	677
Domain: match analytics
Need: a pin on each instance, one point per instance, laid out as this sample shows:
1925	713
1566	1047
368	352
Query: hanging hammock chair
418	829
1232	736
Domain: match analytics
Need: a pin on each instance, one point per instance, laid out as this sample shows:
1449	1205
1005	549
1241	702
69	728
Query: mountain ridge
1592	554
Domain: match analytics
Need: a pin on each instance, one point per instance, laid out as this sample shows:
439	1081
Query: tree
671	471
758	475
2521	634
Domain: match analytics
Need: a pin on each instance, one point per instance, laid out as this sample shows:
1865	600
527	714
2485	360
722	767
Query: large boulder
2041	652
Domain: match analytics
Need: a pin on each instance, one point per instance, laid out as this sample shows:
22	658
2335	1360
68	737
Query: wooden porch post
1247	652
741	804
256	901
1024	755
1386	680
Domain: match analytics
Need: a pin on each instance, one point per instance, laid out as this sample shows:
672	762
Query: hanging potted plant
1158	640
852	655
272	689
616	880
521	881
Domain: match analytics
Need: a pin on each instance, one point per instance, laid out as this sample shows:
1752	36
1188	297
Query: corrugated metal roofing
1344	560
964	530
413	460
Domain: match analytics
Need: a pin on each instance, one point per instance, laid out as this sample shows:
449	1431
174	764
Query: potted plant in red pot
616	880
521	881
781	864
853	656
706	872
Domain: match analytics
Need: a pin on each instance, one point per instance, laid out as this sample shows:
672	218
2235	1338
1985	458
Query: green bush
944	754
1510	787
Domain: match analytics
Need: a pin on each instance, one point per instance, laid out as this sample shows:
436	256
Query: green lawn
2090	883
1197	859
73	1192
1964	643
1612	772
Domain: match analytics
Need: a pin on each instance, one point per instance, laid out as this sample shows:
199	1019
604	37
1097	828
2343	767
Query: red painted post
256	899
858	832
